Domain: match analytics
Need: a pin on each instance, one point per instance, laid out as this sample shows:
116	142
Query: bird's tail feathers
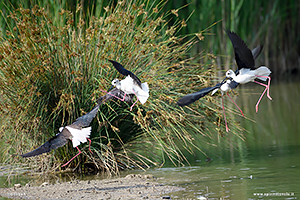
143	98
144	93
145	87
262	71
79	136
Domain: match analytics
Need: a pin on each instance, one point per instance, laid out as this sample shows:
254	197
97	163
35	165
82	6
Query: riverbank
130	187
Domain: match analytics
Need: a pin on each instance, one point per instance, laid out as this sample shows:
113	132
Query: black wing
86	119
53	143
115	92
62	138
243	55
256	51
126	72
190	98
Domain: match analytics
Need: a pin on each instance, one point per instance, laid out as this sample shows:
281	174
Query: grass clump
52	71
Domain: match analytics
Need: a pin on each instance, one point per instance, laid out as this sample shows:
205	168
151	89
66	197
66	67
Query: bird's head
116	83
61	129
230	74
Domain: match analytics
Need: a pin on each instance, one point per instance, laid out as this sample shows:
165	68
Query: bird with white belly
245	60
130	85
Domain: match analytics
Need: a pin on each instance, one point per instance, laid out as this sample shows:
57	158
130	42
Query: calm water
268	162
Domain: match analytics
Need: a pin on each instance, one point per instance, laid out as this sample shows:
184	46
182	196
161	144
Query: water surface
265	166
267	163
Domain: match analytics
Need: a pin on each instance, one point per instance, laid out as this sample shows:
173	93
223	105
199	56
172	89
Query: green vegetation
275	24
52	72
53	65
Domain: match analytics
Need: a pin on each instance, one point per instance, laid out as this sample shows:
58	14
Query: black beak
110	88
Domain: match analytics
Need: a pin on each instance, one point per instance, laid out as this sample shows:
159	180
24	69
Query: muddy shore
133	186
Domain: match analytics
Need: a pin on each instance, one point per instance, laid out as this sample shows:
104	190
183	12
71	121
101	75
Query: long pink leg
73	157
267	89
227	129
236	104
256	106
114	95
135	101
89	144
267	86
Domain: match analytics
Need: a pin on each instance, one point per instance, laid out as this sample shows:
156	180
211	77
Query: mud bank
130	187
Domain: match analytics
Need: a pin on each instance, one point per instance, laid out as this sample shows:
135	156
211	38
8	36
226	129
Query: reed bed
52	70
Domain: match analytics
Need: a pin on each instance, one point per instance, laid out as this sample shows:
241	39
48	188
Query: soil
133	186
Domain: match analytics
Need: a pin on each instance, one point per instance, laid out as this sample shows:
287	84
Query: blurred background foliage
54	63
275	24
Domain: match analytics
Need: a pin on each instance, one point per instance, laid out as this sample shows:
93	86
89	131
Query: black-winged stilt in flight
245	60
130	85
226	85
223	86
230	84
74	132
244	57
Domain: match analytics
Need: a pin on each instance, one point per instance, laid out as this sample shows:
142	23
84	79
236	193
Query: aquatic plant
52	70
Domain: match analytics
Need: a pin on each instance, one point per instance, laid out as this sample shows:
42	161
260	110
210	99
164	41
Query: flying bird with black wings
74	132
245	60
130	85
